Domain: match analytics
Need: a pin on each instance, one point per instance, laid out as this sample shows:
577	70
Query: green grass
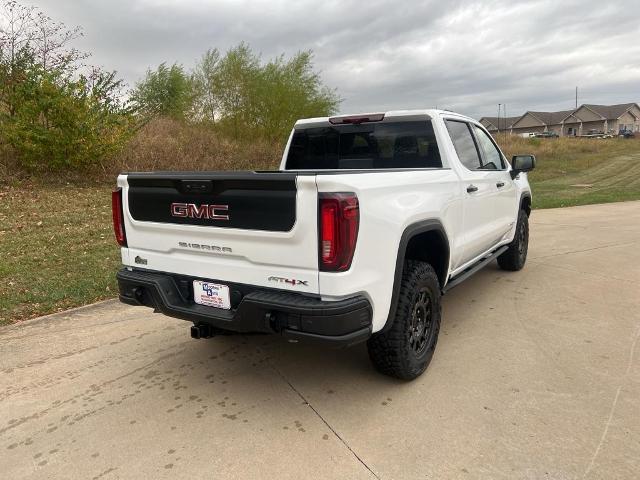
613	179
577	171
57	249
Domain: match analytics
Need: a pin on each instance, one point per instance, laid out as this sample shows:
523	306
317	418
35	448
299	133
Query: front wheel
406	348
516	255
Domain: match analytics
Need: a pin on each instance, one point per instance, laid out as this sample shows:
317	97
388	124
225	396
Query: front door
482	219
506	201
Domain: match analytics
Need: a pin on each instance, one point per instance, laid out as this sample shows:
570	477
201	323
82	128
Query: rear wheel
405	350
516	255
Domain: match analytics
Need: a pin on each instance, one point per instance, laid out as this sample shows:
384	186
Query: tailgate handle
196	186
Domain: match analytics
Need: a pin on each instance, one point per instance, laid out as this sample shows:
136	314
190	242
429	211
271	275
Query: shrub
53	114
65	124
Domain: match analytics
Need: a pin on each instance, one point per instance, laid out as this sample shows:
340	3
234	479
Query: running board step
462	276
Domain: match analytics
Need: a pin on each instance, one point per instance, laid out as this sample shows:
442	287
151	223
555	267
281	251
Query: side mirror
522	163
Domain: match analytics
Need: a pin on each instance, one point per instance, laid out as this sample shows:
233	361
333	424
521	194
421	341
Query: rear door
242	227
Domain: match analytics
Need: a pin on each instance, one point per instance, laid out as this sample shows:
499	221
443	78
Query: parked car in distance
626	134
593	133
550	134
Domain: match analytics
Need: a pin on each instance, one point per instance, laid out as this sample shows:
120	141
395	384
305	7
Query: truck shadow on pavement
228	362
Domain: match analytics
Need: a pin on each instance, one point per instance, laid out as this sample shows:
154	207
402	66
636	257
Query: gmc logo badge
191	210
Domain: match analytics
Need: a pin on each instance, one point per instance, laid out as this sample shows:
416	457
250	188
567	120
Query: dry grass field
167	144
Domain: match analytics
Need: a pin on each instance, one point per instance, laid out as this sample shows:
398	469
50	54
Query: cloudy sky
462	55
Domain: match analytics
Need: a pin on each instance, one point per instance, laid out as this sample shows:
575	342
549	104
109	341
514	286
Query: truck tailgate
240	227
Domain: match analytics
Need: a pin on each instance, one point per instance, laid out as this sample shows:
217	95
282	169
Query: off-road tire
394	352
516	256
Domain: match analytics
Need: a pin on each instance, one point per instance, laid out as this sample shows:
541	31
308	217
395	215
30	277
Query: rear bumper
295	316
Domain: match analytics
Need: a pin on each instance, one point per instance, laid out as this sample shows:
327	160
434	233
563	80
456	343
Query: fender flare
523	195
408	233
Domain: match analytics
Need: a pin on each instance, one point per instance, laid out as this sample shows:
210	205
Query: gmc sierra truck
368	221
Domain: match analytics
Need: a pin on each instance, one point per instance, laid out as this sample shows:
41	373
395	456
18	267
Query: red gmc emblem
191	210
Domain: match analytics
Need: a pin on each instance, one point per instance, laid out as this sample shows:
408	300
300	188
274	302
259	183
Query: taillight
339	220
118	217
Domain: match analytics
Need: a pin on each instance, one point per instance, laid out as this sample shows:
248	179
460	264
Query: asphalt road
536	375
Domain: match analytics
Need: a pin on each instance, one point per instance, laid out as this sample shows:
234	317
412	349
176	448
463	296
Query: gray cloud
462	55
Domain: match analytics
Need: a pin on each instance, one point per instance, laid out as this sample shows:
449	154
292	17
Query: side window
464	144
491	157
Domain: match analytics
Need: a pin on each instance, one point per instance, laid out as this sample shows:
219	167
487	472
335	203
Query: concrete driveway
536	375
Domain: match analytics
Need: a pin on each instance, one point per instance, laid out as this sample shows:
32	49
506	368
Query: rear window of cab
364	146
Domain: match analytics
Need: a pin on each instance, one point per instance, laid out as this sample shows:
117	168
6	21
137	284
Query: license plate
211	294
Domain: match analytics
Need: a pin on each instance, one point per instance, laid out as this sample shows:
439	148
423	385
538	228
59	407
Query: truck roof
417	114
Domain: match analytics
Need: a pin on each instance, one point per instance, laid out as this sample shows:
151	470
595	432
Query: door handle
472	188
500	184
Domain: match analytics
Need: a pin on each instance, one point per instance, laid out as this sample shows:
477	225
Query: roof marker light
357	119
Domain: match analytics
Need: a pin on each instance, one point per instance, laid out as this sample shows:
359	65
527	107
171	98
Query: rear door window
464	144
366	146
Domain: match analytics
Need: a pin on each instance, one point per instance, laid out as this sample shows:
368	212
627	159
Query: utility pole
576	98
505	121
499	105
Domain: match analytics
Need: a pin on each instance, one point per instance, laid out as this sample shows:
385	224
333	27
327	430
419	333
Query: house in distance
587	118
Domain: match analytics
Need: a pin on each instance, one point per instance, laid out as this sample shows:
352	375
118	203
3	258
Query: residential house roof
610	112
551	118
504	122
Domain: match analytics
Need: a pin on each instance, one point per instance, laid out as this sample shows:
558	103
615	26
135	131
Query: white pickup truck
370	219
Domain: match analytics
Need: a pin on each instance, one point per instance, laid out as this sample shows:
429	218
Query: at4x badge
290	281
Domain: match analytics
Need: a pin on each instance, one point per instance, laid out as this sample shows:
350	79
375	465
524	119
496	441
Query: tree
68	124
51	44
29	36
288	90
252	99
206	85
166	91
54	114
16	34
238	75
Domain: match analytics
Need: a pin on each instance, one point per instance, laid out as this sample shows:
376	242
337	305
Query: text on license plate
211	294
